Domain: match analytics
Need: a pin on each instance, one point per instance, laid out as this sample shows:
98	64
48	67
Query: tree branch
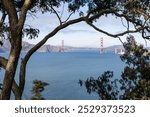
116	13
16	91
59	18
113	35
100	13
12	13
15	88
89	18
3	62
38	45
130	19
68	17
142	28
128	25
23	14
142	12
3	19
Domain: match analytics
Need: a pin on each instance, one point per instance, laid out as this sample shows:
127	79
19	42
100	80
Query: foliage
104	86
135	79
136	11
37	89
31	33
4	33
13	27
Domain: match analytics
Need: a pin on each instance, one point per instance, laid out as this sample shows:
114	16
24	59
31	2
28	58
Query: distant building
119	51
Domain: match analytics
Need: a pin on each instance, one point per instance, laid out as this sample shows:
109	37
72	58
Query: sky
80	34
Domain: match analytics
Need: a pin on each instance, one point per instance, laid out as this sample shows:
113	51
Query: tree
37	89
135	79
104	86
135	12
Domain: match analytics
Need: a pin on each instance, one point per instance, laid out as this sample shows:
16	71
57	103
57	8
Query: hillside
45	48
50	48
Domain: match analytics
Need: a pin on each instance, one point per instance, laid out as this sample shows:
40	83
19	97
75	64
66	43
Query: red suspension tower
62	46
101	45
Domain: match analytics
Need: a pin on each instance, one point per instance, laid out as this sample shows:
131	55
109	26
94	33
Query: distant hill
120	47
45	48
115	46
50	48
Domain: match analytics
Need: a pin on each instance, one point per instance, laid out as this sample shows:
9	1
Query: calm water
63	70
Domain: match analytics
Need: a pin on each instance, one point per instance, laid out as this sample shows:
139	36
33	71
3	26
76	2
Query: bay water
63	70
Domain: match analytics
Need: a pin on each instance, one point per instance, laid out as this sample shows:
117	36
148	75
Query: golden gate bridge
102	49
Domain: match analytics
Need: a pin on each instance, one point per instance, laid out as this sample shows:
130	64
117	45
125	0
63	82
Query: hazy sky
79	35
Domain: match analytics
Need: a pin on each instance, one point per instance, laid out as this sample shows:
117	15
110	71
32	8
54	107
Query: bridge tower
62	46
101	45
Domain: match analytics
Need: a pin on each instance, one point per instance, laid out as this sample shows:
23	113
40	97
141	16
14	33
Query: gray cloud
68	31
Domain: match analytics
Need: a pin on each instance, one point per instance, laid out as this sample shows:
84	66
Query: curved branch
68	17
23	14
102	12
116	13
120	40
130	19
89	18
37	46
128	25
113	35
59	18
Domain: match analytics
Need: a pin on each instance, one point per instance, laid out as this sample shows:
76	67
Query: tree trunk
16	25
22	76
16	91
11	70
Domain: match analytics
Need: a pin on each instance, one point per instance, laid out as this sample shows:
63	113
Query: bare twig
62	9
120	40
130	20
68	17
3	19
123	23
59	18
32	15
